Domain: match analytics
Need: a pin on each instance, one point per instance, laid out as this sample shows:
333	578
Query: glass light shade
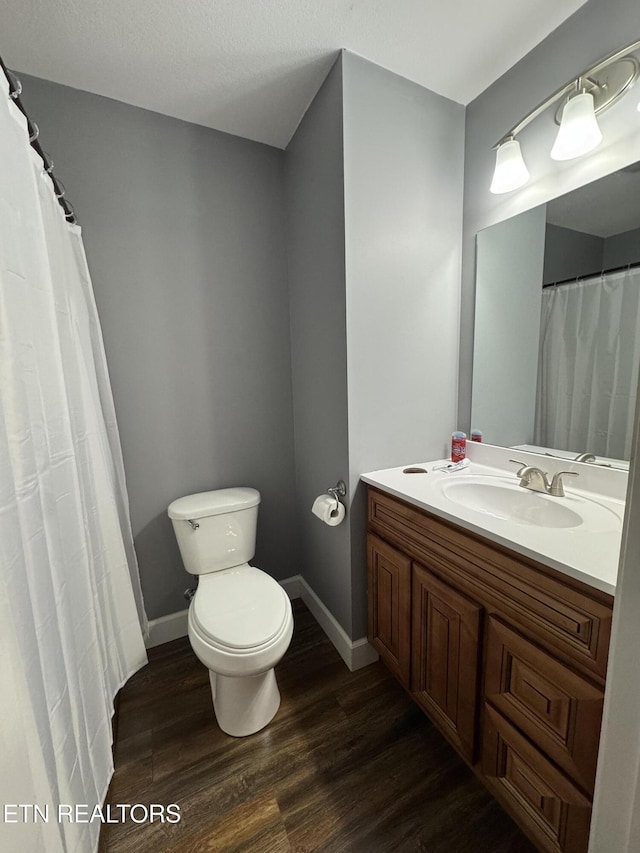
511	171
579	132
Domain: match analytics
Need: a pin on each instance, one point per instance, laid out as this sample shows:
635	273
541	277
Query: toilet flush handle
194	524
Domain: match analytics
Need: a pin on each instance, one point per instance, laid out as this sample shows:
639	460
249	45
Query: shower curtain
588	365
71	611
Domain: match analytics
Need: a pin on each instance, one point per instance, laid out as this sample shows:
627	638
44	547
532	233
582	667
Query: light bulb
579	132
511	171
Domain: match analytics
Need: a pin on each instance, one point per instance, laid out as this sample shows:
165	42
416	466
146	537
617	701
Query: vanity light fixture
580	101
579	131
511	171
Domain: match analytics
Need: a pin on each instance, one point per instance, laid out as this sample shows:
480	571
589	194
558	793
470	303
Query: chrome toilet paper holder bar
338	491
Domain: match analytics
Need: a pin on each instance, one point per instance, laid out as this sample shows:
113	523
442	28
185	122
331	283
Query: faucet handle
556	488
585	457
522	465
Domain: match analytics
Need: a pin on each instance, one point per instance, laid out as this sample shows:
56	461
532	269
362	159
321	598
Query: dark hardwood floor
348	764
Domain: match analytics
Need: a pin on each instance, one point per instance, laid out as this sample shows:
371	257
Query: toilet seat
240	611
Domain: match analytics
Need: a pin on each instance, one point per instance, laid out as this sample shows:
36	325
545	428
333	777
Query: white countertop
590	556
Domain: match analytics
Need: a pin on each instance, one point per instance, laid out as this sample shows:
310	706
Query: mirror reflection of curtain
588	365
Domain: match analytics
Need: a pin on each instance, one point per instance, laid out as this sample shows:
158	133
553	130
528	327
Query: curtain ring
70	214
15	85
34	130
47	162
59	189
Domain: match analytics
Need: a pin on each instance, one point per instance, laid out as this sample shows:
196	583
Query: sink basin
505	499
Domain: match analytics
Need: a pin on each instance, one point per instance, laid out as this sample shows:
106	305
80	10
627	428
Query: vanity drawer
553	812
555	707
561	614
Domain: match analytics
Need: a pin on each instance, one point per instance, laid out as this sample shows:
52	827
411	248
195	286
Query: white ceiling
251	67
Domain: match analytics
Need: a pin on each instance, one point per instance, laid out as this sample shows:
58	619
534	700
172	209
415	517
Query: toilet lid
241	607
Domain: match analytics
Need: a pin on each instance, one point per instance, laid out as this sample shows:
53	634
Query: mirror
557	324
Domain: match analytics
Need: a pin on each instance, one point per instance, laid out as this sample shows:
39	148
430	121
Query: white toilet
240	619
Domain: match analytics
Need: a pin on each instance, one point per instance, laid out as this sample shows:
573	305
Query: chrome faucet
585	457
536	480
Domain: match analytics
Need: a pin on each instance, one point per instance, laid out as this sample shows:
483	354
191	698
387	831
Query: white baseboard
355	653
362	654
167	628
292	586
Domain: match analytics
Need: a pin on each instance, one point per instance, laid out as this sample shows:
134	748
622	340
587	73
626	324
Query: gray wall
569	253
184	232
507	330
596	29
208	347
315	240
374	203
622	249
403	150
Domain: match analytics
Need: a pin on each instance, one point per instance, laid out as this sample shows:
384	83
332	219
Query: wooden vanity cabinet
445	650
557	709
551	810
389	603
505	655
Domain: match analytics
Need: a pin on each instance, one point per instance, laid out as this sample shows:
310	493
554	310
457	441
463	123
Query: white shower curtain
71	612
588	365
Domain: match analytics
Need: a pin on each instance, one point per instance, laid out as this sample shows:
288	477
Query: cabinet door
389	602
550	809
444	680
556	708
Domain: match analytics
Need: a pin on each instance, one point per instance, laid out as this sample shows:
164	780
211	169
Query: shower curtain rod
591	275
58	186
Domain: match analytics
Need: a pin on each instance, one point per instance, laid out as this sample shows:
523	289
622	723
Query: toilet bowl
240	618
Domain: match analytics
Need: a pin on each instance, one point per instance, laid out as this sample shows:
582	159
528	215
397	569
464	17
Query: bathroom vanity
505	652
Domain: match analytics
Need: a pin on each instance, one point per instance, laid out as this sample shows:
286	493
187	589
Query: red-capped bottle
458	446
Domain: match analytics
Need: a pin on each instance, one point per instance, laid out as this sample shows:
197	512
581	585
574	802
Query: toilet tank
216	530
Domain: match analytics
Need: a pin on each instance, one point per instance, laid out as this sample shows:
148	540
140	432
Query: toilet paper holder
338	491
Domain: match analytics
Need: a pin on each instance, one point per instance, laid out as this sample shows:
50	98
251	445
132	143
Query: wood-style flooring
348	765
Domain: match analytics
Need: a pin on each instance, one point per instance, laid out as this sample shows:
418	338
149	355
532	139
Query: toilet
240	618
